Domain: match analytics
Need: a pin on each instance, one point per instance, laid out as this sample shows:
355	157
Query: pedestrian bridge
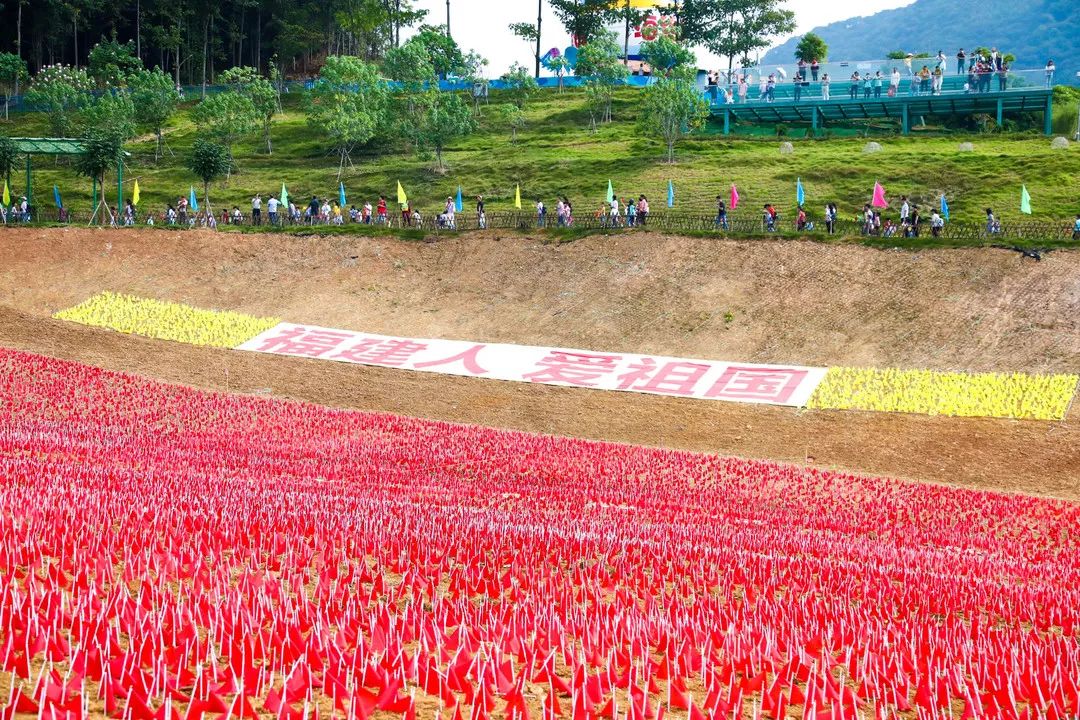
954	100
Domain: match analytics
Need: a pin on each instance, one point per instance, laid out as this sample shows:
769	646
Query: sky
481	25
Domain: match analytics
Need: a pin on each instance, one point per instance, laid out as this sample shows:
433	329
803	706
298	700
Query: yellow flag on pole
401	196
135	194
517	197
7	195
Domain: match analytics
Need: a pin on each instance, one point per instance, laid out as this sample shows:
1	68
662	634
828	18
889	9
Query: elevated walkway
954	100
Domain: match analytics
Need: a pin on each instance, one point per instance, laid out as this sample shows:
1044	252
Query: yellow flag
135	194
7	195
401	196
517	197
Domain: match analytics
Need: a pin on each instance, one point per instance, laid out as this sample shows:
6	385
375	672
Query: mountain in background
1032	30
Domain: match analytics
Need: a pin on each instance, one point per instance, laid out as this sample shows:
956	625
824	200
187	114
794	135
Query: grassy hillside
558	155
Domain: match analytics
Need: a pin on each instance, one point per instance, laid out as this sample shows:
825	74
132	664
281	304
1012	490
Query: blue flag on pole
800	193
670	194
341	194
458	205
56	197
944	208
193	202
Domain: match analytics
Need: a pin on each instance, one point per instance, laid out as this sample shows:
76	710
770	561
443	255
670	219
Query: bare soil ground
779	302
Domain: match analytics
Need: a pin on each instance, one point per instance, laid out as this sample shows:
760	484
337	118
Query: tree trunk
447	18
266	133
539	20
626	37
138	29
205	51
157	152
75	34
18	47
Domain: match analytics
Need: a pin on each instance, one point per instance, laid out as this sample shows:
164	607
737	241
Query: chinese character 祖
672	378
305	342
376	351
773	385
573	368
468	358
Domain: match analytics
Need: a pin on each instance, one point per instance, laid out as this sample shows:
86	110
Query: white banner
653	374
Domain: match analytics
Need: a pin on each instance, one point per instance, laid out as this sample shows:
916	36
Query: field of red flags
168	553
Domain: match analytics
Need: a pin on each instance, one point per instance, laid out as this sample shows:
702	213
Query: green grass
558	155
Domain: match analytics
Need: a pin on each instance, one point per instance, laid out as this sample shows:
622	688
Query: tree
112	64
520	85
530	33
598	60
263	95
583	19
103	149
669	58
442	117
60	91
560	66
735	29
631	17
810	48
12	72
8	156
514	118
443	53
672	108
410	65
113	113
155	100
208	161
227	117
475	72
347	104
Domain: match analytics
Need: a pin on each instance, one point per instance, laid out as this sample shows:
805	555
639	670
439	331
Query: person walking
256	210
721	213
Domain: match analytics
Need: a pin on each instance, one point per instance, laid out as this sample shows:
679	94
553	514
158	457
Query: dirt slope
781	302
787	302
995	454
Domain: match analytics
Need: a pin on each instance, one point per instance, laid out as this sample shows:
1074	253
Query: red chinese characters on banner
389	352
676	377
578	369
757	384
469	359
306	342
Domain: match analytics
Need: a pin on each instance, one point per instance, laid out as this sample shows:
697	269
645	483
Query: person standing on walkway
960	58
825	86
853	93
1050	69
256	210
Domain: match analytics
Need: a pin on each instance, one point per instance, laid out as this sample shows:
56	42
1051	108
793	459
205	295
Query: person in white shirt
905	210
615	222
272	209
541	213
1050	69
256	210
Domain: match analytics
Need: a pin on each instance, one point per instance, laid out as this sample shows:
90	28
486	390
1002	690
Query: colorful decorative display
1016	395
167	320
170	553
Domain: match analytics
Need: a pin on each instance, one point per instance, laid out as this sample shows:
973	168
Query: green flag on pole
610	192
1025	200
284	195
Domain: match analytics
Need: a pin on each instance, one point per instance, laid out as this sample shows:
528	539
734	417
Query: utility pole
539	21
447	18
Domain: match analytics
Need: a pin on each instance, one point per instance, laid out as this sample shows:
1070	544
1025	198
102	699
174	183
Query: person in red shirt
381	210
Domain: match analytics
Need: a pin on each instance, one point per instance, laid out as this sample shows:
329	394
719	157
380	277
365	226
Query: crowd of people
614	213
980	67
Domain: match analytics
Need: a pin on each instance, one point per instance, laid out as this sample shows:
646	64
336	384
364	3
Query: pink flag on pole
734	196
879	196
